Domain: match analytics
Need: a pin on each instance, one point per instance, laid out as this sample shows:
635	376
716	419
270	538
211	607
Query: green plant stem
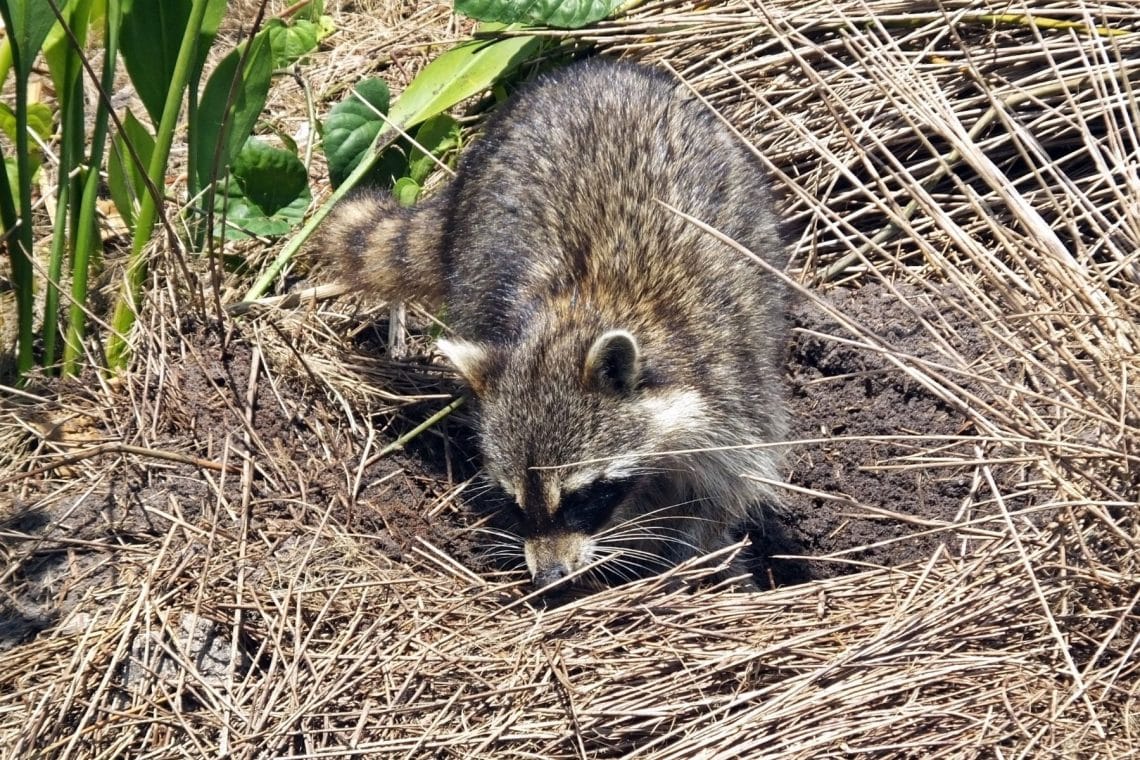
125	309
406	438
86	237
8	216
55	263
72	131
20	243
192	187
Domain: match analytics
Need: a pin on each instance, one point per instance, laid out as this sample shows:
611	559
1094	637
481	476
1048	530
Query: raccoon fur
620	357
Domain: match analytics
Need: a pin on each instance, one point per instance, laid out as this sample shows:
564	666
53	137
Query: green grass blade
66	71
86	240
234	97
27	23
125	309
153	33
126	178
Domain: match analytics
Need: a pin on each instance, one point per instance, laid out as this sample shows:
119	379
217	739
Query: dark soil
843	391
307	460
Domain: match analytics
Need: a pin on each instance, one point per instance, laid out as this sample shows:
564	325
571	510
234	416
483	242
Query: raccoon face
571	428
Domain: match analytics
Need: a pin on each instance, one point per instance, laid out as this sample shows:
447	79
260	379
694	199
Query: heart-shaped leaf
437	136
406	191
352	125
291	42
272	178
267	194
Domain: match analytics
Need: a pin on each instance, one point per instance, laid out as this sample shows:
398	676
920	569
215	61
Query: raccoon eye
589	508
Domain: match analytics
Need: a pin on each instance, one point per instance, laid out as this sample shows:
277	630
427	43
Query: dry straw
987	154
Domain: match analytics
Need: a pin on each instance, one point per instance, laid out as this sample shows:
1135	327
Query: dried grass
992	163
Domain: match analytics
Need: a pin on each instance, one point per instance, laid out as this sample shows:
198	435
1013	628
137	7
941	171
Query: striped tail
392	252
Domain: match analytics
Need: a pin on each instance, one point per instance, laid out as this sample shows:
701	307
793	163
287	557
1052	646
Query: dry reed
987	154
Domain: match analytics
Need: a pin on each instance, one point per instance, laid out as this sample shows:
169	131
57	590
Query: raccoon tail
392	252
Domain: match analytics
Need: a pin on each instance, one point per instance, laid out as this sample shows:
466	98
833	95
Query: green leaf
40	118
291	42
566	14
27	23
313	11
270	177
223	126
12	172
39	121
267	196
215	12
124	176
437	136
459	73
351	127
406	191
58	44
152	33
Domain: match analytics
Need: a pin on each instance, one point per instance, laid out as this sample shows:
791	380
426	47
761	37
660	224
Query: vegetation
221	548
237	185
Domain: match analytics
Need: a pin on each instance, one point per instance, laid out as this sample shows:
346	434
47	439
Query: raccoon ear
473	360
613	363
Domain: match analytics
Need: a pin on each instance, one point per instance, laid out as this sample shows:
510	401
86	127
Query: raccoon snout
548	576
552	558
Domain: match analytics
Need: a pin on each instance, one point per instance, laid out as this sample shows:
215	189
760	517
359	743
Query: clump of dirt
849	408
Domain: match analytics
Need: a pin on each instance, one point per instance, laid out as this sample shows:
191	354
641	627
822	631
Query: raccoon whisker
635	537
684	518
623	566
633	561
626	571
507	540
487	530
680	548
504	542
660	513
629	549
484	485
616	571
507	552
654	521
639	529
631	539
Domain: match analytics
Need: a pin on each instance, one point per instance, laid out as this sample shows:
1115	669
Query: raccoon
619	355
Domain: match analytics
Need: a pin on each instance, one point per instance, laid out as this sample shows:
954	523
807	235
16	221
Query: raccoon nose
550	575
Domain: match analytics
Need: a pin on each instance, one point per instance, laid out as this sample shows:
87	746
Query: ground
247	541
855	503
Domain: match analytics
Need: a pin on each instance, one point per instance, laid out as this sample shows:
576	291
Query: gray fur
597	328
